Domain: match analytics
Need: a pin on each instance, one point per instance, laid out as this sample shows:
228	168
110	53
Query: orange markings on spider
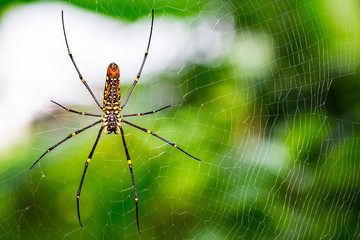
113	70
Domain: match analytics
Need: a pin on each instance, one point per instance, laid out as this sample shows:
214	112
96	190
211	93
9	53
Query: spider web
265	93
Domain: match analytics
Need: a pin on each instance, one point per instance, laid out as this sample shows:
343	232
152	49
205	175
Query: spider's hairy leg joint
136	199
175	146
149	131
129	161
88	160
48	150
73	134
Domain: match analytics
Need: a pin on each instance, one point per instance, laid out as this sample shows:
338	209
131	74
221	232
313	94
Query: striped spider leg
111	119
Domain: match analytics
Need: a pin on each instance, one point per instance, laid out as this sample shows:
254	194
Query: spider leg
83	176
73	61
73	111
132	177
145	113
154	134
143	62
65	139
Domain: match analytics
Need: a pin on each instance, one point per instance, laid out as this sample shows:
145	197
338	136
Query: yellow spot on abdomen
136	199
136	79
148	131
129	162
175	146
48	150
73	134
83	80
88	160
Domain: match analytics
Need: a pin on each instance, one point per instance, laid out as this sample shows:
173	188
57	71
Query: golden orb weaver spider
111	120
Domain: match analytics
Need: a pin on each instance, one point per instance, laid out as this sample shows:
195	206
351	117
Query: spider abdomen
112	95
112	98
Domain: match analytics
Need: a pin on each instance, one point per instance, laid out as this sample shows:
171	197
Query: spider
111	119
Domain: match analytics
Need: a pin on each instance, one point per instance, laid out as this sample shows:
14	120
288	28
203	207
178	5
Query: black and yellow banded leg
67	138
145	113
132	177
143	62
73	61
77	112
154	134
83	176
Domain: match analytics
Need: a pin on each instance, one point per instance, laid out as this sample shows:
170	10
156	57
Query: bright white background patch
35	67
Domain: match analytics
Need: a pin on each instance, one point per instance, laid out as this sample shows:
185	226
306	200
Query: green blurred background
275	121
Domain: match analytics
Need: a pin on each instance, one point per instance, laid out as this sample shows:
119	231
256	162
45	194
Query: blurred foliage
280	151
130	10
